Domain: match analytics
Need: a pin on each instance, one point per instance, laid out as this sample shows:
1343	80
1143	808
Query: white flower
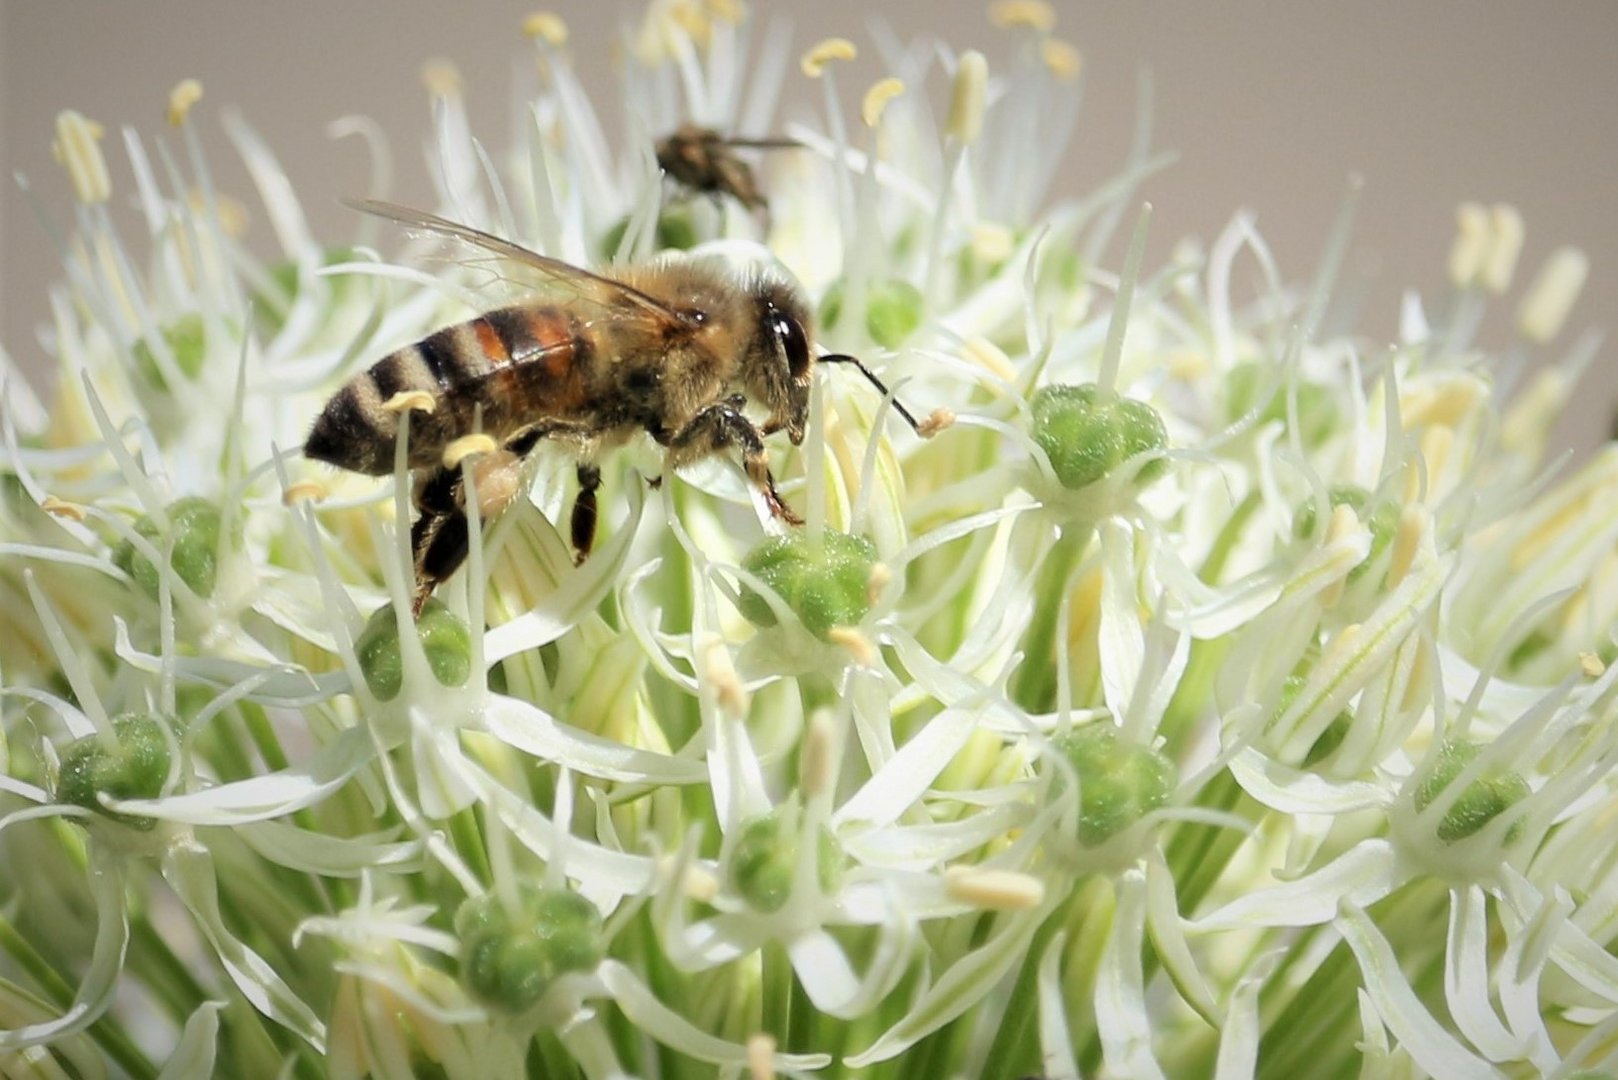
1159	685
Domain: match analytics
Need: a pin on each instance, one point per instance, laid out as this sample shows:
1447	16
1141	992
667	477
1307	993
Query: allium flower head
1159	684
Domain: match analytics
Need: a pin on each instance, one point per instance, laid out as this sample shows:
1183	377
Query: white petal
189	870
1297	791
262	797
1416	1029
906	776
315	852
534	731
193	1058
671	1029
95	992
1122	1019
1362	875
961	987
1055	1039
1466	977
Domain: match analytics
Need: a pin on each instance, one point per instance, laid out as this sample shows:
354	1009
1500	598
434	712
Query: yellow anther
967	95
876	581
1339	648
761	1056
693	20
817	759
442	77
416	400
1471	248
62	509
992	242
546	26
720	673
982	351
77	147
994	890
1034	14
303	491
1447	399
1545	307
819	55
1591	665
468	446
858	645
1344	523
877	97
1187	364
1506	229
1436	444
733	12
233	216
935	421
1063	58
1527	421
186	93
1415	521
696	883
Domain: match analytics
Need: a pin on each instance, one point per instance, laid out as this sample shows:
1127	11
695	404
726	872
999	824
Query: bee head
781	357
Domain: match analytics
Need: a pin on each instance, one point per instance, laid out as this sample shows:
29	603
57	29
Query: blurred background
1270	105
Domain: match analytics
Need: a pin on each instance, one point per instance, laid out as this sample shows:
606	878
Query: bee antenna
844	358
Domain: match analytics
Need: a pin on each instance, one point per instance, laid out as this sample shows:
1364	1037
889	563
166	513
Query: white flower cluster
1210	692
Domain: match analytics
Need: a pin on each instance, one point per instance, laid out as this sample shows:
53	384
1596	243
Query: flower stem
107	1033
1033	686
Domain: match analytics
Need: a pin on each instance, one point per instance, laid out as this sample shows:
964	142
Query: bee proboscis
672	349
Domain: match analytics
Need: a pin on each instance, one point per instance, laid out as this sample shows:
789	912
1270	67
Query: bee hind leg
440	538
715	429
583	523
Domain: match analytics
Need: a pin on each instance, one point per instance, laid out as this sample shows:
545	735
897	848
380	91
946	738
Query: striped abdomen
496	373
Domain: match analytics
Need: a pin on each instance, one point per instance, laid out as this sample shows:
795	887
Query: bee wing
581	282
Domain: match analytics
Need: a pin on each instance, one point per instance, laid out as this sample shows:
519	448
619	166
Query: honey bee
704	161
672	349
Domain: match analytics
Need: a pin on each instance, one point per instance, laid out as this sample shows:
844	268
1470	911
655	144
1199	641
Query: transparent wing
582	283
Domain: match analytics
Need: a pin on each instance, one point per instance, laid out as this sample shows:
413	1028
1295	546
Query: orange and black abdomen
496	373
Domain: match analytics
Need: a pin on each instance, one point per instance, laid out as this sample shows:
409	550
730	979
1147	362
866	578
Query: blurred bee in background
674	349
705	162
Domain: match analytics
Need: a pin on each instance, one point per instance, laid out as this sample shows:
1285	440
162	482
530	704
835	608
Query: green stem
1034	684
106	1032
777	994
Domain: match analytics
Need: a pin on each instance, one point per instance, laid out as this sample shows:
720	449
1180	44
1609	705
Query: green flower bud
1119	781
194	526
826	588
1383	523
1087	434
444	638
135	770
893	309
186	339
511	958
675	232
765	859
1483	800
1317	409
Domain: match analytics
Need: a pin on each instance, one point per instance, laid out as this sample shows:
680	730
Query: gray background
1270	105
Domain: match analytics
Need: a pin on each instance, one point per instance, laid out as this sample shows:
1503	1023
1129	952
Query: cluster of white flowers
1212	693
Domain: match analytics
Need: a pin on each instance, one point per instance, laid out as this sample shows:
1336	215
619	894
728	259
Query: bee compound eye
794	342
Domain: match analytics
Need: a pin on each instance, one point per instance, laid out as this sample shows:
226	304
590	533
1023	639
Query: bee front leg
717	428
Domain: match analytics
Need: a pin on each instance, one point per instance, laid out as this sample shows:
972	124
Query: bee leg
438	539
718	427
584	513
